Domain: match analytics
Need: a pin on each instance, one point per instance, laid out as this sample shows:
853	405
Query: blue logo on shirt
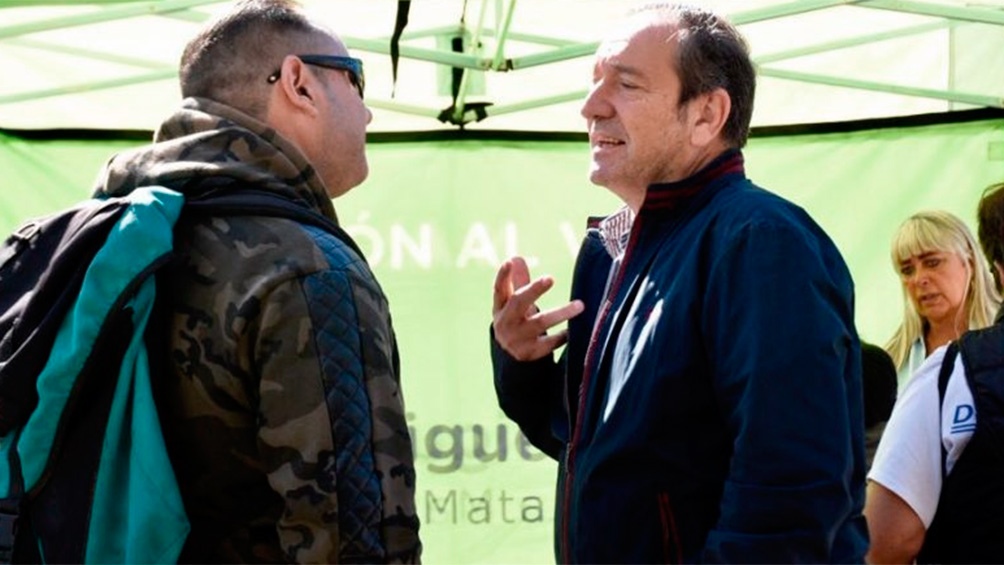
964	419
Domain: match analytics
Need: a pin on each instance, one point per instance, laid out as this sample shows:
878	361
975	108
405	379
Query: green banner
435	219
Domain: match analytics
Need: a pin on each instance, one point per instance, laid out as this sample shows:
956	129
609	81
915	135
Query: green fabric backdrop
436	217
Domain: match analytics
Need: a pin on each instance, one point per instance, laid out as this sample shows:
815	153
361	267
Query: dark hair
229	60
879	382
713	54
990	215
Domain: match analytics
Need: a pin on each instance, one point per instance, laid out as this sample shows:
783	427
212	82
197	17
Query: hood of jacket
206	139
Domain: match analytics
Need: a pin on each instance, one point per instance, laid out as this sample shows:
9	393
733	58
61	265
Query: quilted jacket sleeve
332	428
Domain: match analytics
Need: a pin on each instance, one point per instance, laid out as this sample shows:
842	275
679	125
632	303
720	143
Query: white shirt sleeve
908	460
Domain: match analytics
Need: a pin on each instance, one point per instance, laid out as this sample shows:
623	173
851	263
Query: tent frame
478	58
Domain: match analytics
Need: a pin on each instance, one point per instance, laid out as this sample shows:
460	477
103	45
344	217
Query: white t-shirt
912	363
908	460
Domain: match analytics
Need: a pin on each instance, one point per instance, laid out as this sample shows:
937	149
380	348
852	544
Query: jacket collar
205	139
670	196
615	230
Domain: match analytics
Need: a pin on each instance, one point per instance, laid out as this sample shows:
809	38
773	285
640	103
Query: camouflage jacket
282	409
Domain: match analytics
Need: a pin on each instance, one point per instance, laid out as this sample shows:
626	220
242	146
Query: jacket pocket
670	537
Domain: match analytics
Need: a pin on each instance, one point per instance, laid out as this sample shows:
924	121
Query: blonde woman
947	287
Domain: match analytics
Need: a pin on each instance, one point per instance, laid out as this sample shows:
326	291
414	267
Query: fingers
512	283
520	272
560	315
503	287
524	299
520	328
526	338
548	343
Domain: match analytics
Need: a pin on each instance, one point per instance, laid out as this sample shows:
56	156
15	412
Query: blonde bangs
925	233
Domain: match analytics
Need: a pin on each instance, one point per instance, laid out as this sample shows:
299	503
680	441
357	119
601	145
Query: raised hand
520	327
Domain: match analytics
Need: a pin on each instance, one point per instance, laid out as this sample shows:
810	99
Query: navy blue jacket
719	415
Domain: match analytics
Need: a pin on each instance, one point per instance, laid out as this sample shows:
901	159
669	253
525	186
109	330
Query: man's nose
594	106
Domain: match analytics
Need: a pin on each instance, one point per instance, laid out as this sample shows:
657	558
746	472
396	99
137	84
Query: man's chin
602	177
345	185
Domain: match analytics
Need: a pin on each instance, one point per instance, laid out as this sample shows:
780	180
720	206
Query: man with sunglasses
281	405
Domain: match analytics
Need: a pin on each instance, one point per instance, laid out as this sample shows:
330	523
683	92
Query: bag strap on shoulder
10	508
255	202
947	364
17	538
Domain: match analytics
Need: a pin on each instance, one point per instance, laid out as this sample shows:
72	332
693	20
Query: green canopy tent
867	111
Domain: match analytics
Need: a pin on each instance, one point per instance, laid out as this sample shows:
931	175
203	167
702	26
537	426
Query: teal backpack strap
99	484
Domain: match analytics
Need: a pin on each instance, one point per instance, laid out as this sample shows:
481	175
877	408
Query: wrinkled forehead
610	48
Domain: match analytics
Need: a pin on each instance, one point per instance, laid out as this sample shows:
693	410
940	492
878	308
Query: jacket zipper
584	387
670	537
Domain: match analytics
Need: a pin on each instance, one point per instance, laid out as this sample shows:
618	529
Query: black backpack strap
17	537
943	375
10	507
254	202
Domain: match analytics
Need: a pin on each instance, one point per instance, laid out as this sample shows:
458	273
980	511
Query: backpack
84	473
968	522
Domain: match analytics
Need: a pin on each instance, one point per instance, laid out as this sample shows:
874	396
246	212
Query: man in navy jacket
709	404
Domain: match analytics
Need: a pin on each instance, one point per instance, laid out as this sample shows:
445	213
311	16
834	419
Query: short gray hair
229	60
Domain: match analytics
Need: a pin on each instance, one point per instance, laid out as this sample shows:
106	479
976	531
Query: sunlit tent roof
439	211
111	64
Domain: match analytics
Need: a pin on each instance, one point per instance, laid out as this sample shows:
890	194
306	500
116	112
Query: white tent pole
853	42
963	13
783	10
88	86
427	32
194	16
443	57
131	10
87	53
540	39
458	106
577	95
572	51
403	108
965	98
500	38
36	3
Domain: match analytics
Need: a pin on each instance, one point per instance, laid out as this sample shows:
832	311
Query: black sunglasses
350	64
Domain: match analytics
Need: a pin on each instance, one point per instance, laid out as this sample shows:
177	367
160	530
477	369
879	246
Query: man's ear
709	112
296	84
